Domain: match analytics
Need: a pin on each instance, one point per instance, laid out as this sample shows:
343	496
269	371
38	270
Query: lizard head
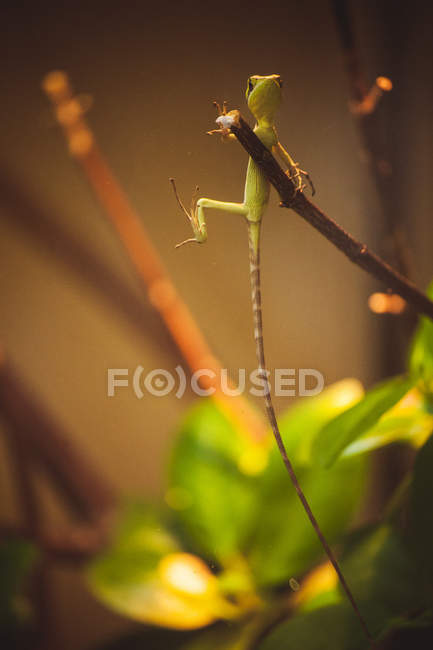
264	96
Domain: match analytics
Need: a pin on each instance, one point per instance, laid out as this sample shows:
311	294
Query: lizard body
263	97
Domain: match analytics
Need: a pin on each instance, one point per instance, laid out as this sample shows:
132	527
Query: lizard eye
279	82
250	86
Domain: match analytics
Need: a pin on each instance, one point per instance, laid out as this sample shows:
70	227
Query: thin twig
356	251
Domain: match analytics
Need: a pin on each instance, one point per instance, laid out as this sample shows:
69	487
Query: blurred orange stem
147	263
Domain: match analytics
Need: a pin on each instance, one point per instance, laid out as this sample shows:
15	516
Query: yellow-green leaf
337	434
145	576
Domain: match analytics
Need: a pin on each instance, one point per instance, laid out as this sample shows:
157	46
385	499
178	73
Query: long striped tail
256	299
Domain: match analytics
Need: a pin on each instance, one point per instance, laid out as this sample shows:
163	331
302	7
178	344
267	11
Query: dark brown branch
33	437
74	544
356	251
375	122
42	438
30	514
27	502
36	438
358	85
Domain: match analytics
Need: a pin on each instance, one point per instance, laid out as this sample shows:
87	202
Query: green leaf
17	557
337	434
421	520
385	583
139	544
16	560
416	632
385	579
223	637
409	421
284	544
421	351
301	423
383	576
402	638
212	482
144	576
330	628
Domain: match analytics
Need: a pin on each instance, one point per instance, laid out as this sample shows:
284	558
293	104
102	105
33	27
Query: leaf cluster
228	558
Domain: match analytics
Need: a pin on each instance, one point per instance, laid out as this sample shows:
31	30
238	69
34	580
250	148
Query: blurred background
71	303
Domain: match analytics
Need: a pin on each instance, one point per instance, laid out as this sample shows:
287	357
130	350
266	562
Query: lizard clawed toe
295	174
191	240
224	130
191	214
310	182
220	111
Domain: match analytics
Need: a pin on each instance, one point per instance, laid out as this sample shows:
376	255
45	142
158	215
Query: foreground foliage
229	560
238	551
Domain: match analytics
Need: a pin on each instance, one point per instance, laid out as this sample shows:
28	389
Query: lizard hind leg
294	172
306	175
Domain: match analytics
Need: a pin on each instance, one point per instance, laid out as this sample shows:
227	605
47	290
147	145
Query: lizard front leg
196	216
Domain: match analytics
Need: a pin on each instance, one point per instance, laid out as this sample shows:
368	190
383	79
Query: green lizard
263	97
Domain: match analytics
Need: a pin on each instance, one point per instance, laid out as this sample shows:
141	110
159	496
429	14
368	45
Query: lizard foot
191	215
295	173
224	120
